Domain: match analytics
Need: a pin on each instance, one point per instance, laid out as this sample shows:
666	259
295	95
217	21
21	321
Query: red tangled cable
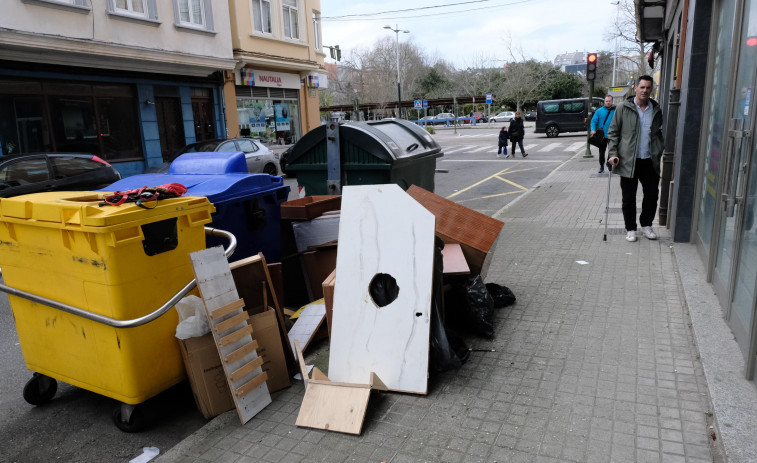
139	196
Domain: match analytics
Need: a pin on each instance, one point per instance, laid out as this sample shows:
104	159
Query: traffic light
591	66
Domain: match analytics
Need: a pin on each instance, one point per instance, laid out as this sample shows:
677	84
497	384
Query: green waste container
374	152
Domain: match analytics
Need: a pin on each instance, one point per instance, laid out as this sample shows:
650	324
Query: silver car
505	116
260	159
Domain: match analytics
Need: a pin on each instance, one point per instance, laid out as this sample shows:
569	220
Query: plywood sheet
454	260
311	318
382	231
334	407
245	376
476	232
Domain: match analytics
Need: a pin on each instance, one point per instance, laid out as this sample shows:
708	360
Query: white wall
45	31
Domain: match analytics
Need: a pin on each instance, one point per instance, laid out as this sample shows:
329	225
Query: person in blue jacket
602	118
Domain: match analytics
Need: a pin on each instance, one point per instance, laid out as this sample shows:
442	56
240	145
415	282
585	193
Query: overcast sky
473	29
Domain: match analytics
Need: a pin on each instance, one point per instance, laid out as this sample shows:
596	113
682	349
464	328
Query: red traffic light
591	58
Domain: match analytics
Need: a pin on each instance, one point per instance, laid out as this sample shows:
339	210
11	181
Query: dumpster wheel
128	418
40	389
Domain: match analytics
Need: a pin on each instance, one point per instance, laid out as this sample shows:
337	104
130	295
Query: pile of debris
381	296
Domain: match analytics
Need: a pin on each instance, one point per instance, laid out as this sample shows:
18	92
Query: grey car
260	159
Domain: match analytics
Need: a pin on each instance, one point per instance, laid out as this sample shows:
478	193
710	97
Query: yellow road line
477	183
497	176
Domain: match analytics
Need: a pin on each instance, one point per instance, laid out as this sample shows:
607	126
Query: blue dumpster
247	205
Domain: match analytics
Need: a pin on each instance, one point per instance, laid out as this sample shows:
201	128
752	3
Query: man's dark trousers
646	175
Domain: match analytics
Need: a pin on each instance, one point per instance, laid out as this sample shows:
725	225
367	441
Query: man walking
635	149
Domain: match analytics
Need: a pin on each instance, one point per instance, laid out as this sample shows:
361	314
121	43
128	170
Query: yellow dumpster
122	262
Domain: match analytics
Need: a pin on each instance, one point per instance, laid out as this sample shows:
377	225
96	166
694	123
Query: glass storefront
100	119
269	114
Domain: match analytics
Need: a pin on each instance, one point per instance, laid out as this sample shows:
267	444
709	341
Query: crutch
607	206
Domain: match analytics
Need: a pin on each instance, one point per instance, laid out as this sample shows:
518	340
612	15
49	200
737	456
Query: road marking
497	176
577	145
455	150
481	148
550	147
528	160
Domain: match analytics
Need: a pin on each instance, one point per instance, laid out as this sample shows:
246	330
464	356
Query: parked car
260	159
557	116
426	120
38	172
480	117
443	118
530	116
505	116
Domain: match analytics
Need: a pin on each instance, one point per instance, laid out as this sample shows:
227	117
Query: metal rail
124	323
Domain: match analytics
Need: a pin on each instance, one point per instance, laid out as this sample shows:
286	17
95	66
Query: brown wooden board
475	232
253	283
266	329
318	264
339	407
309	207
328	297
216	286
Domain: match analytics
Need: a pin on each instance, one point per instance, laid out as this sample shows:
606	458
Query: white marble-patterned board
382	231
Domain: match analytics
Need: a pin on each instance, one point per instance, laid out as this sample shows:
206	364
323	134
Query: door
734	274
202	110
170	126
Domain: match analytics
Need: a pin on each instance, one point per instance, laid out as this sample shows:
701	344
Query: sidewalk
619	359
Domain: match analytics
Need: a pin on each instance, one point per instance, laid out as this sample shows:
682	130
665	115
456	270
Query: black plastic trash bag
470	306
446	351
502	295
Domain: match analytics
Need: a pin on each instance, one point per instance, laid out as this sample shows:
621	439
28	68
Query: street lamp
615	55
397	31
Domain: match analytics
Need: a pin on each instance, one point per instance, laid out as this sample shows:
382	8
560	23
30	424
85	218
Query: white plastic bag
193	321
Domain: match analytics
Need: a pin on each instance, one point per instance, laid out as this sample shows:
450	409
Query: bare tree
631	52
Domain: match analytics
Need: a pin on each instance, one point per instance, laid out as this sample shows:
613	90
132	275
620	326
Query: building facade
131	81
280	66
709	182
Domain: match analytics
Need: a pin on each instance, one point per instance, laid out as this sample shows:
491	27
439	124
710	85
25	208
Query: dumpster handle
125	323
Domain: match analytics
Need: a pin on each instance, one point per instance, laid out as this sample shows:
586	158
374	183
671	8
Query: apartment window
74	4
291	26
317	30
261	15
194	14
140	9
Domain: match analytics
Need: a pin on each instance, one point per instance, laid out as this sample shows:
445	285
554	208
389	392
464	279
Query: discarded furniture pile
372	268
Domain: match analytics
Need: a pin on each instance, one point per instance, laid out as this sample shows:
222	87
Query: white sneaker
649	233
631	235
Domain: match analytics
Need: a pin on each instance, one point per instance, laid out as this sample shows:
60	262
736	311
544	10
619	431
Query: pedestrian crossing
529	147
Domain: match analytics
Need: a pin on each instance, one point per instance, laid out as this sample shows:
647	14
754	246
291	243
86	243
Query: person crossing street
517	132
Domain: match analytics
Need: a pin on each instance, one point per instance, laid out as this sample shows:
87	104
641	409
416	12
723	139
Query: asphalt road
76	425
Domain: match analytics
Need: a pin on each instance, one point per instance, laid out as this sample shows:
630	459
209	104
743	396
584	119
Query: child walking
502	144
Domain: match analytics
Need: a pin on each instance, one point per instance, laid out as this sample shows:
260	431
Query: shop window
261	14
194	14
291	24
118	128
139	9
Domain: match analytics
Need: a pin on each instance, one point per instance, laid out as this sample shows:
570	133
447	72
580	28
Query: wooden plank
252	384
228	308
301	363
459	224
246	369
235	336
328	297
304	328
217	289
454	260
334	408
248	275
241	352
231	322
382	231
318	375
